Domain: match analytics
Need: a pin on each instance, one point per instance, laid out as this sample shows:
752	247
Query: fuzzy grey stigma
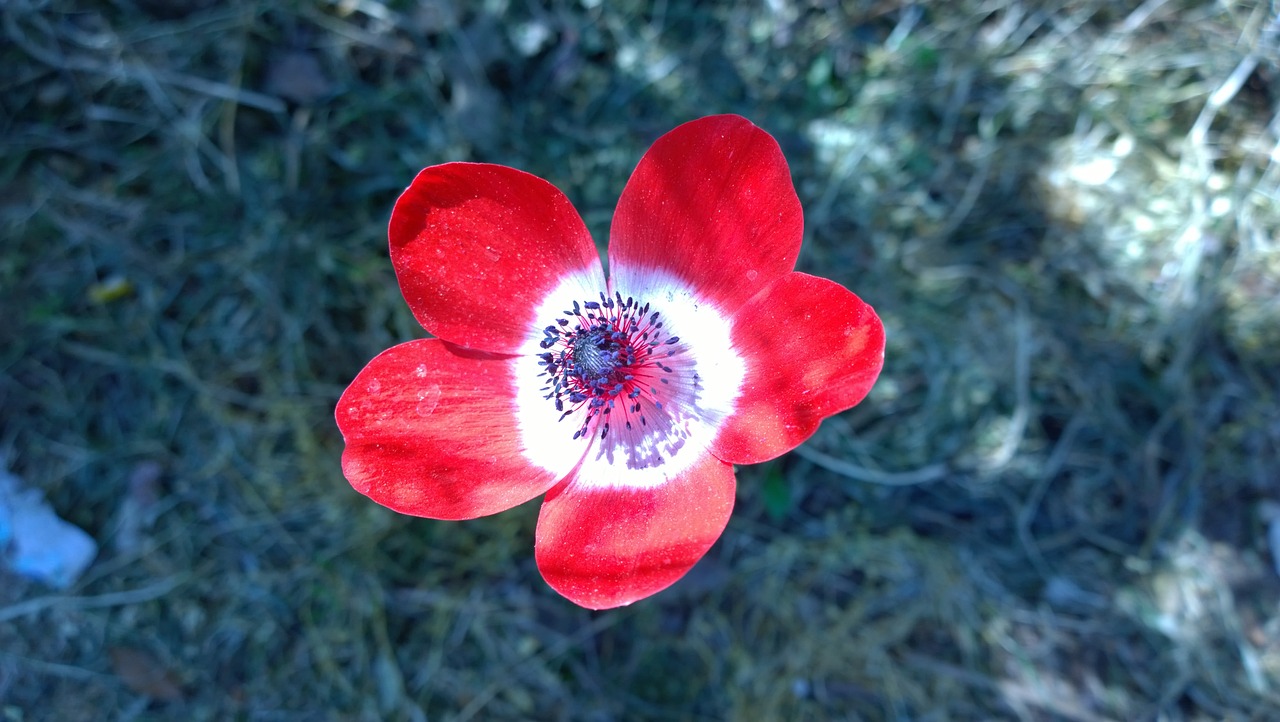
594	353
607	356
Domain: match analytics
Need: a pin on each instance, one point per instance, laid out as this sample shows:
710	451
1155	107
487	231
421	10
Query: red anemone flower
626	400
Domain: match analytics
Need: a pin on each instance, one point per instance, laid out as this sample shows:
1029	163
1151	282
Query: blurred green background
1055	505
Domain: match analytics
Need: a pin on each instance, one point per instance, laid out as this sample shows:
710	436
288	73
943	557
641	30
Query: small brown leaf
143	673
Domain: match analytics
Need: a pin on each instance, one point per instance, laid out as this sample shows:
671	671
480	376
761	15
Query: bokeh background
1055	505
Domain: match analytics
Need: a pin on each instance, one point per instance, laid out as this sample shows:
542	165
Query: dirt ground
1056	504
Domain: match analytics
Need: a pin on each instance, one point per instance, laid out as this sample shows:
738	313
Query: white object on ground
37	544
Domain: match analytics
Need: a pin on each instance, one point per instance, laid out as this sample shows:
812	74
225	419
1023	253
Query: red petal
431	431
711	203
478	247
604	545
812	349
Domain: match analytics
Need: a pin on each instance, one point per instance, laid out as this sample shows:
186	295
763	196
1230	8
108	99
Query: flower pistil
607	358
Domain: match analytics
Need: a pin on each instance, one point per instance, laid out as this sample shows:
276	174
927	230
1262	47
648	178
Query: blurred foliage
1054	505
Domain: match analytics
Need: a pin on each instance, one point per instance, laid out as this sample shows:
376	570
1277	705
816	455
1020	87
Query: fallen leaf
143	673
297	76
137	509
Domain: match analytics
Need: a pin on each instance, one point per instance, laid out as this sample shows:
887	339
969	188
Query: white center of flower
634	385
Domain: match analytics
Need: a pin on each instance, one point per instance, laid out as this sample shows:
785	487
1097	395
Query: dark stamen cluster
605	357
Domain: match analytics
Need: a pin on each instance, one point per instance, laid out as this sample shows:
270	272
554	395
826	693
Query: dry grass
1052	507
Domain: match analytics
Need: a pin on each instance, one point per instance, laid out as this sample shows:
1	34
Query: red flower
627	400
